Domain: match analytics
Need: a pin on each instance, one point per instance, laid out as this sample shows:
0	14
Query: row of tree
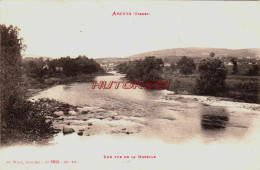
187	66
38	68
210	82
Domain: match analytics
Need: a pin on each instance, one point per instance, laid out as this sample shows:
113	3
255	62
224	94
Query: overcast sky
61	28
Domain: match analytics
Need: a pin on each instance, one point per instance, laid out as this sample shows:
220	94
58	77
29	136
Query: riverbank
242	89
33	86
85	112
42	110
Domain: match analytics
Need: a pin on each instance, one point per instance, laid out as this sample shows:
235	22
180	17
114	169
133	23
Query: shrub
27	120
212	77
186	65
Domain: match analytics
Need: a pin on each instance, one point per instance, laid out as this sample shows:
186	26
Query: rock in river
59	113
72	112
80	133
67	130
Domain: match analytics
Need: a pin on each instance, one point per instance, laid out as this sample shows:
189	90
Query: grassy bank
34	123
31	122
34	85
240	88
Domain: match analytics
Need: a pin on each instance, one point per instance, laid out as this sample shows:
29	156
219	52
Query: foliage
17	113
212	54
233	60
122	68
246	91
10	60
254	71
149	69
38	68
25	117
212	77
186	65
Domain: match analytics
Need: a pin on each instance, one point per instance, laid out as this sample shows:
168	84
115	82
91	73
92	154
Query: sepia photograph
147	85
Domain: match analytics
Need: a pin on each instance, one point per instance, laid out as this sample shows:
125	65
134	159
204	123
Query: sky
71	28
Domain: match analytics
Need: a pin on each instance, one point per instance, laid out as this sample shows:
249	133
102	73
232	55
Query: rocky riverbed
83	120
86	120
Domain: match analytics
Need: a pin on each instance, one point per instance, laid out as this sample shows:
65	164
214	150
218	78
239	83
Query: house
59	69
167	64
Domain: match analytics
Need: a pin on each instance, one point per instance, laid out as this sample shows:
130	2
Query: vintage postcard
129	85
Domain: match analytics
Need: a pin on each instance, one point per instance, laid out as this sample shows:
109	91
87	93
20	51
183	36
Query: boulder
72	112
85	112
80	133
67	130
87	109
58	113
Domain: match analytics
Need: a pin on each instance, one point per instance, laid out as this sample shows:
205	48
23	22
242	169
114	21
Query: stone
58	113
56	131
195	100
80	133
90	124
85	112
72	112
67	130
88	109
128	133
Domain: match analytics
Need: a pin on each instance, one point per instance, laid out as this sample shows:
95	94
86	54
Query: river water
134	122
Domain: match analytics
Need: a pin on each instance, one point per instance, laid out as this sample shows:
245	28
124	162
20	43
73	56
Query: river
144	122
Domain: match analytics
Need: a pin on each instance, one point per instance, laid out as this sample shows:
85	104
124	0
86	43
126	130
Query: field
240	88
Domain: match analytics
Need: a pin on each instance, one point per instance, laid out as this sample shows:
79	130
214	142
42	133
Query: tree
149	69
234	62
212	54
10	68
212	77
253	71
186	65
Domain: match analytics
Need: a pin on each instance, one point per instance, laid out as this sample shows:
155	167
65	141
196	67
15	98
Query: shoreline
51	82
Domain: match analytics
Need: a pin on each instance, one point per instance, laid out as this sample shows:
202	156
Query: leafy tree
173	67
186	65
234	62
212	77
149	69
10	68
17	114
254	71
212	54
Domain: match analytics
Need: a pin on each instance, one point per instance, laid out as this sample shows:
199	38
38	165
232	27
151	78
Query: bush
25	119
254	71
212	77
245	91
186	65
149	69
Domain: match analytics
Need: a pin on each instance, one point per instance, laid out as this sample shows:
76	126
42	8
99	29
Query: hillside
201	52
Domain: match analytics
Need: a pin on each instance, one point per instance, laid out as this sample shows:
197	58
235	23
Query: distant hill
201	52
31	57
